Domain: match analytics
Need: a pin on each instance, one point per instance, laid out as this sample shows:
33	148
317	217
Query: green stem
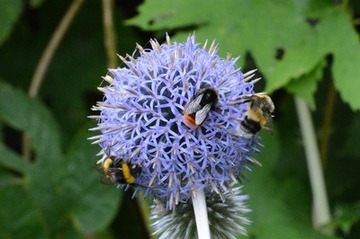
321	211
52	46
45	61
326	127
109	33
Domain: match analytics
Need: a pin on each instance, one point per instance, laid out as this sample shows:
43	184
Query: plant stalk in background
321	211
45	61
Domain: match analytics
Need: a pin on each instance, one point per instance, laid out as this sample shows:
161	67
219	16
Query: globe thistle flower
226	217
142	121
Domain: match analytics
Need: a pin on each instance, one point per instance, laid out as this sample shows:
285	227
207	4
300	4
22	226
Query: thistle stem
201	216
321	211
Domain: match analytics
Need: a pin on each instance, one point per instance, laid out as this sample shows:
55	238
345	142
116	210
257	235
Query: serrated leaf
238	26
298	62
159	14
333	35
9	12
346	48
306	85
306	31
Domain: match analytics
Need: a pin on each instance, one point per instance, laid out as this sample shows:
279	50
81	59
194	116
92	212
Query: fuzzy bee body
198	108
116	170
260	112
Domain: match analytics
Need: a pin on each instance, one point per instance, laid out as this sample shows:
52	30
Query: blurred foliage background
304	49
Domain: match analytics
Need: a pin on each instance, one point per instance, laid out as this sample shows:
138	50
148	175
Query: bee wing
201	115
99	168
104	178
193	105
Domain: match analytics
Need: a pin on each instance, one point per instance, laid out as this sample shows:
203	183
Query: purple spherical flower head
142	120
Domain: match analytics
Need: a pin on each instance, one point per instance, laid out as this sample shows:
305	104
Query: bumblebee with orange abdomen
260	112
197	109
116	170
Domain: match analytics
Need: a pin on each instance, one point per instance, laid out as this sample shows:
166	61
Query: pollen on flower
142	122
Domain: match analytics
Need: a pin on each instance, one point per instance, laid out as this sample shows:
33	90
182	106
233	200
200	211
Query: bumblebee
198	108
116	170
260	112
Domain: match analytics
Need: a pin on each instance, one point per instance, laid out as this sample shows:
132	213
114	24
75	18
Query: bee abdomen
250	126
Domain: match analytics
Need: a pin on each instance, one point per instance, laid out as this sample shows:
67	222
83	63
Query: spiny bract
141	120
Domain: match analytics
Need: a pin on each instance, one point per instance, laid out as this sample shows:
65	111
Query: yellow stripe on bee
106	166
129	178
257	117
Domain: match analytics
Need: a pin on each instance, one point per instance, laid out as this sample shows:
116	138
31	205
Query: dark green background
58	194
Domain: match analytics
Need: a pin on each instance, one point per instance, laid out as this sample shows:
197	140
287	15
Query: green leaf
279	207
157	14
9	13
65	76
238	26
23	113
73	192
346	48
18	218
346	216
75	195
262	28
12	161
94	204
306	85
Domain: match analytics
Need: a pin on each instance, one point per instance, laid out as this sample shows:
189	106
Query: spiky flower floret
142	122
227	219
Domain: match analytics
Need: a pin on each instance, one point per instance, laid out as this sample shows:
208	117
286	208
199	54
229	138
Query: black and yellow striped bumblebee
260	112
114	170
